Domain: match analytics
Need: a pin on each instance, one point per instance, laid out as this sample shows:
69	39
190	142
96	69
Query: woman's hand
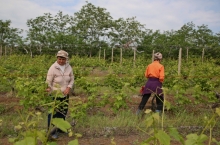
48	90
67	91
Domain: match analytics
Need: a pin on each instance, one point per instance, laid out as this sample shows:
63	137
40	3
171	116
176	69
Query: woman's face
61	60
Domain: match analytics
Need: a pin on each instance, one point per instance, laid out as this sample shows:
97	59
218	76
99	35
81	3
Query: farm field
119	136
105	99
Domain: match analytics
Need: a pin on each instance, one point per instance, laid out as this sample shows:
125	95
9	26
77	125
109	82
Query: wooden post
5	51
0	51
120	56
187	53
112	54
179	63
203	53
99	53
134	57
104	54
152	56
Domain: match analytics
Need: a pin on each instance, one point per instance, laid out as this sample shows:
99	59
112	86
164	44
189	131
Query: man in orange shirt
155	74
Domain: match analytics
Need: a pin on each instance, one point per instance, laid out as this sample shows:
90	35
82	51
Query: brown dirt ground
119	139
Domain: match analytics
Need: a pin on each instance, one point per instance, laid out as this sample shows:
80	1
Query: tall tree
126	34
50	31
40	33
9	37
91	24
185	36
203	36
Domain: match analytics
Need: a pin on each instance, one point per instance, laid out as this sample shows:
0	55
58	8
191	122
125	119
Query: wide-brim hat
62	53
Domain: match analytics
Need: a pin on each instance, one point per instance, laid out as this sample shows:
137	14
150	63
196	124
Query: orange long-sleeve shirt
156	70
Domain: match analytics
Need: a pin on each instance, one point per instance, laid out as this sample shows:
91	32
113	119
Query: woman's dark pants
62	110
145	98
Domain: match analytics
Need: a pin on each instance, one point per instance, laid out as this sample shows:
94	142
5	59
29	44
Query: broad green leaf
156	116
163	137
41	135
174	133
168	105
73	142
12	140
61	124
149	121
202	138
26	141
193	139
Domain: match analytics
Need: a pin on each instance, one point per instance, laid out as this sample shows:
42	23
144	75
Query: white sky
163	15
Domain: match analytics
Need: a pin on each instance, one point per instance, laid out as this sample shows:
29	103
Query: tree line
93	29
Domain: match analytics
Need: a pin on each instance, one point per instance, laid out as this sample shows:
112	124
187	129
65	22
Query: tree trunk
31	52
25	50
40	49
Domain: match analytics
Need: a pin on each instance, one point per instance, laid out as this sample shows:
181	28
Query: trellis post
152	56
203	53
179	63
187	53
120	56
134	57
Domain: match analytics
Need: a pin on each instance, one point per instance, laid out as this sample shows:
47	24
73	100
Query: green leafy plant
32	92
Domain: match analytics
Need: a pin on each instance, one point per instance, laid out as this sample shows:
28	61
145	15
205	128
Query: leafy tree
126	34
203	36
92	29
50	32
91	23
9	37
40	31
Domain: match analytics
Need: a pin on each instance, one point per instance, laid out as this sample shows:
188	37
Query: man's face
61	60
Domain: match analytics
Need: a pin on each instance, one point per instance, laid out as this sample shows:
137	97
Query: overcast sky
163	15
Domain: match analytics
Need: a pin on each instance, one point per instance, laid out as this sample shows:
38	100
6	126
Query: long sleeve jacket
155	70
56	79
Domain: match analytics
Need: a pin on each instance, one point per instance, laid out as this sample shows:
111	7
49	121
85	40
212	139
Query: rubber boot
158	111
138	112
